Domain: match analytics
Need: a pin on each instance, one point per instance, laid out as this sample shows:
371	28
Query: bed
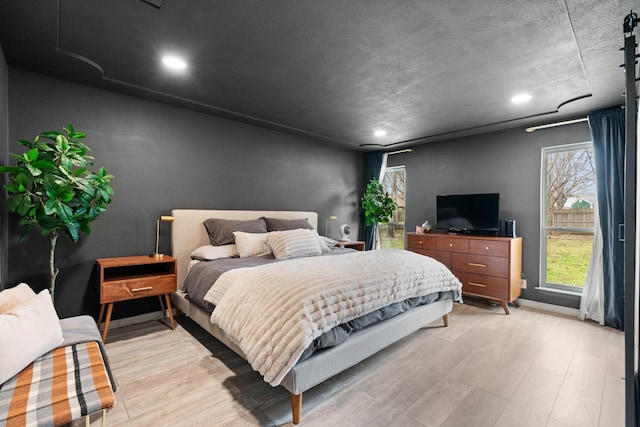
188	233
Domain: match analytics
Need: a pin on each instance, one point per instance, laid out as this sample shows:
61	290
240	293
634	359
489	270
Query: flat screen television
469	213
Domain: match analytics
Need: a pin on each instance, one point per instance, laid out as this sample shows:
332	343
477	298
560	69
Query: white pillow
326	243
210	252
13	297
294	243
27	332
251	244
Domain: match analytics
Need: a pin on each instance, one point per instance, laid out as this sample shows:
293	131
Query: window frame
393	169
544	228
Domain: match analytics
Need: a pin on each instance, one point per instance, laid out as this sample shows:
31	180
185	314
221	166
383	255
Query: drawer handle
477	284
487	247
450	245
420	241
146	288
475	264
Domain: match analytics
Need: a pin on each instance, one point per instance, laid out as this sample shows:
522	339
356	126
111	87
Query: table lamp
163	218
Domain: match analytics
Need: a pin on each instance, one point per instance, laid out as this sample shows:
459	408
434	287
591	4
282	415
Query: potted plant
52	188
378	206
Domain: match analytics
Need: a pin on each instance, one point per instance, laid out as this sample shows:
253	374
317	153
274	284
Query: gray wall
164	157
506	162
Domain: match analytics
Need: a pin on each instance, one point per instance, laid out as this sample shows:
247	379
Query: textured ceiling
335	71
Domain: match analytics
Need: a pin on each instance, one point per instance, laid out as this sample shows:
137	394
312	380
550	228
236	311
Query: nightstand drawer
477	284
126	289
481	264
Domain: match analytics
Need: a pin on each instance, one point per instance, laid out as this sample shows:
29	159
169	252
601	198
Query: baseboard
558	309
133	320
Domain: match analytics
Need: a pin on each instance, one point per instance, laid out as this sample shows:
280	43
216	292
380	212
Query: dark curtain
372	169
608	136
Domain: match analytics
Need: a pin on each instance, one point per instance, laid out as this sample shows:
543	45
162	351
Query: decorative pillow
251	244
294	243
12	297
277	224
328	242
27	331
210	252
221	230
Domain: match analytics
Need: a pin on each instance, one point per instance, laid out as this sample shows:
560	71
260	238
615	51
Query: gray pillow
220	231
277	224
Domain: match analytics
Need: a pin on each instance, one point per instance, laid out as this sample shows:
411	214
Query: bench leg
445	319
87	419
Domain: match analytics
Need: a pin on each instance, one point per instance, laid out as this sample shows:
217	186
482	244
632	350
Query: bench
69	382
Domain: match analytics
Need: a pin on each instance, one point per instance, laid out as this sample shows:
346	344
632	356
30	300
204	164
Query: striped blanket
64	384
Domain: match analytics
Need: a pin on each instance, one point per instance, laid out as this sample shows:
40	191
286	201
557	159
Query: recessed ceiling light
174	63
521	98
380	133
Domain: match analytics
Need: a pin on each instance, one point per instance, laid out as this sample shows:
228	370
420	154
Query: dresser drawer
452	244
443	257
478	284
489	247
126	289
416	241
481	264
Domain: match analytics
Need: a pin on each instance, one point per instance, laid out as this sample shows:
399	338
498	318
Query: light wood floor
485	369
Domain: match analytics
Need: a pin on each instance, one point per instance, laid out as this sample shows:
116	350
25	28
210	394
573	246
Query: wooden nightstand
127	278
357	245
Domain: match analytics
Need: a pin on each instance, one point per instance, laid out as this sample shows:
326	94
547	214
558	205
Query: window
567	205
392	234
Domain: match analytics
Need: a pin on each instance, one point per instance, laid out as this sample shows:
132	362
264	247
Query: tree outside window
392	234
567	211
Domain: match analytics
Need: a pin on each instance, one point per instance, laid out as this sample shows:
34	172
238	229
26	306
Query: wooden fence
572	218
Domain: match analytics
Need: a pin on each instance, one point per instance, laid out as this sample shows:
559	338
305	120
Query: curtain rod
406	150
551	125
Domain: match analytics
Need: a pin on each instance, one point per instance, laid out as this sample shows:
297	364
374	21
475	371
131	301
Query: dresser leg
516	302
505	307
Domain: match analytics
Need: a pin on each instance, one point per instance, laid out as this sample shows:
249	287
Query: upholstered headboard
188	232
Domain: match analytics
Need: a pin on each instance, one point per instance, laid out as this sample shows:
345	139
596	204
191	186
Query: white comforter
273	312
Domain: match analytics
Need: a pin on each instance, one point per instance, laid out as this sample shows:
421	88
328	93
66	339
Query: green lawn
568	258
391	242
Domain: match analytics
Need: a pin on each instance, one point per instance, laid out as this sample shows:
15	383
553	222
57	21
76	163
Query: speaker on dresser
508	228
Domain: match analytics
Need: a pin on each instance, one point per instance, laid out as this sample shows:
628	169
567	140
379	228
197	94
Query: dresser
488	267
